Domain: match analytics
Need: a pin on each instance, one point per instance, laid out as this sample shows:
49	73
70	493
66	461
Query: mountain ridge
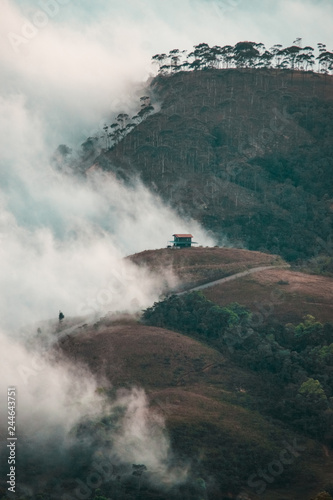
247	152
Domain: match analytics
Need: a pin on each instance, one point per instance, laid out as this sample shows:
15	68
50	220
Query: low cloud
63	239
63	242
59	413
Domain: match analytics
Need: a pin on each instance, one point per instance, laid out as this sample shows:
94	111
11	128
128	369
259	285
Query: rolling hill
196	266
209	405
217	410
281	293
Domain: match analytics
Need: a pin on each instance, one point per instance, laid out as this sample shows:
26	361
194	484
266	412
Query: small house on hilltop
182	240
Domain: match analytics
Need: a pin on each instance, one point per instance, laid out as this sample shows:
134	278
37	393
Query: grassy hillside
226	415
279	294
195	266
231	409
209	405
246	152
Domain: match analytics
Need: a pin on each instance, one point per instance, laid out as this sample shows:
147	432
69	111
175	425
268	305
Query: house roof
183	235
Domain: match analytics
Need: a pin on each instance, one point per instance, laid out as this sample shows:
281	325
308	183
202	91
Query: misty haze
166	203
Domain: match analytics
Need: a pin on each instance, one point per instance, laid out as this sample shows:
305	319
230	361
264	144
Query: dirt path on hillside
231	278
70	330
77	328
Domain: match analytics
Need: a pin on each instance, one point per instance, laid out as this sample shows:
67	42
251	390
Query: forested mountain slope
248	152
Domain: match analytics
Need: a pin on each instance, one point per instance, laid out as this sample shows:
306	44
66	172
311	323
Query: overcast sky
80	59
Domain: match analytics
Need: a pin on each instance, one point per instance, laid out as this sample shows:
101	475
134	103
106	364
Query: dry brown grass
284	294
191	385
137	354
195	266
280	293
193	382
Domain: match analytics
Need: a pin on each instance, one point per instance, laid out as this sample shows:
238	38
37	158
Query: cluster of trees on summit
245	55
242	55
